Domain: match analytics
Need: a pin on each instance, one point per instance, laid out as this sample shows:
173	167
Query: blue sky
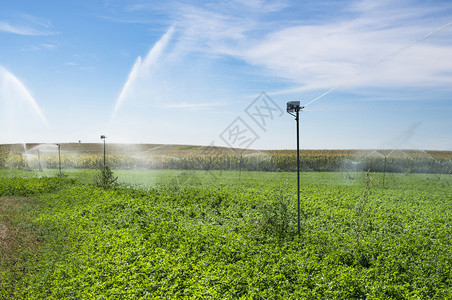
221	72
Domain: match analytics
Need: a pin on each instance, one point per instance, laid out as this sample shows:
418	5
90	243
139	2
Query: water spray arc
141	70
293	108
17	90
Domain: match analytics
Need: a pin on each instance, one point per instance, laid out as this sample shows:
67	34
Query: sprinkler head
294	106
103	137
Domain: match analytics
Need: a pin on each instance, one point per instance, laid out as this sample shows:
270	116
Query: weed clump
276	216
105	178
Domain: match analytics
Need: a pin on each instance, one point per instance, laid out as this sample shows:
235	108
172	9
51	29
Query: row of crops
259	162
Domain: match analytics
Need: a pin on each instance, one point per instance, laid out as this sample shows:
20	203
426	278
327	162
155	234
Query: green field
225	235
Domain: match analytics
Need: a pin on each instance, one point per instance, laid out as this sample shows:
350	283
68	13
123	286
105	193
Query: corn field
215	158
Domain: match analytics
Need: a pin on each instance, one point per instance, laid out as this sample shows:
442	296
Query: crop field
225	233
185	157
147	150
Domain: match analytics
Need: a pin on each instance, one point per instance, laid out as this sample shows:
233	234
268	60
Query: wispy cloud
363	46
26	24
262	6
324	55
44	46
360	47
194	106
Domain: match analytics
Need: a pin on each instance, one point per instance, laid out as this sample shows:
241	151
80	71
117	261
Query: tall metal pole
240	167
298	167
59	157
293	108
39	161
104	155
103	137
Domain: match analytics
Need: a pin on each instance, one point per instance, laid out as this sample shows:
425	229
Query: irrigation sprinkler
103	137
293	108
59	159
240	166
39	162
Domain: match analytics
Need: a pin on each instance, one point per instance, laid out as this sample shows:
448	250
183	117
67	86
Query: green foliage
277	215
231	240
186	178
32	186
360	211
105	178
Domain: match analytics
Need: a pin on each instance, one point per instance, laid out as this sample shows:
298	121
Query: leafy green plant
360	212
32	186
208	241
276	215
186	178
105	178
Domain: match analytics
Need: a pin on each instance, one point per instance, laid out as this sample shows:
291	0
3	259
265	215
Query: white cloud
322	56
263	6
26	24
359	46
373	48
194	106
211	32
17	29
362	46
40	47
47	46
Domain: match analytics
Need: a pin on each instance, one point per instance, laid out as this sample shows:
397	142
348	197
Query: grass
152	178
